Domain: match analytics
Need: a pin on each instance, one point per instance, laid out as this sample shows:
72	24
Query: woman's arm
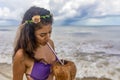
18	66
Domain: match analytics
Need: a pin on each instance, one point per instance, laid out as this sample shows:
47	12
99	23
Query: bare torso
44	53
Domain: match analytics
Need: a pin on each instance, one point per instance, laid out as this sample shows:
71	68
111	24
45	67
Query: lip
44	43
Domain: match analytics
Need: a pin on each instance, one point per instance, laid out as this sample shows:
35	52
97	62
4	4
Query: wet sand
5	71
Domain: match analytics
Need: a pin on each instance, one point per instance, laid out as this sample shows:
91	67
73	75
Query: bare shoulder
51	43
19	55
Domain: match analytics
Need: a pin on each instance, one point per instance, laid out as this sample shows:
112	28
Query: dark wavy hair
25	39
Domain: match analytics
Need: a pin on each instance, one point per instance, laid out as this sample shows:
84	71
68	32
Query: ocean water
7	34
94	49
70	39
87	39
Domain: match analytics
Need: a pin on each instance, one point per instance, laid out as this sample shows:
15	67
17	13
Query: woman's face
43	34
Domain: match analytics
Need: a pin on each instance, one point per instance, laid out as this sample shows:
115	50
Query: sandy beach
5	71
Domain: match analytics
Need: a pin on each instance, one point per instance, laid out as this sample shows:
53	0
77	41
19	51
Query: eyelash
44	35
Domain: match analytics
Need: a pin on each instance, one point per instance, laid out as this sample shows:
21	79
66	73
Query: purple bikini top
40	70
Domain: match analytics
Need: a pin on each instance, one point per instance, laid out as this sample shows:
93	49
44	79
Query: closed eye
44	34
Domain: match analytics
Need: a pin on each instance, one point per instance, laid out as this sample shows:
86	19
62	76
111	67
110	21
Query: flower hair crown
37	18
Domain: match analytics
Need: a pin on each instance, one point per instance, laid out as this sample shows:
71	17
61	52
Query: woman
33	55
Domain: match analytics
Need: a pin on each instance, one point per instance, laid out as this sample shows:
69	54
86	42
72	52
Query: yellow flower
36	19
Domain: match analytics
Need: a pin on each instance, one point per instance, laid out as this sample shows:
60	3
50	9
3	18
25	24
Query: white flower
36	19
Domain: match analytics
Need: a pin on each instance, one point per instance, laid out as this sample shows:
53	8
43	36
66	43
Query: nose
48	36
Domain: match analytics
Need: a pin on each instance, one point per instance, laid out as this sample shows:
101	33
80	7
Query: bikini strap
54	53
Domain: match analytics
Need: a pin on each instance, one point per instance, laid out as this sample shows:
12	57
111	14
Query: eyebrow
46	32
43	33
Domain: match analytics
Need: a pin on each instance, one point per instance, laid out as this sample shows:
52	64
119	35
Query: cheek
41	39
